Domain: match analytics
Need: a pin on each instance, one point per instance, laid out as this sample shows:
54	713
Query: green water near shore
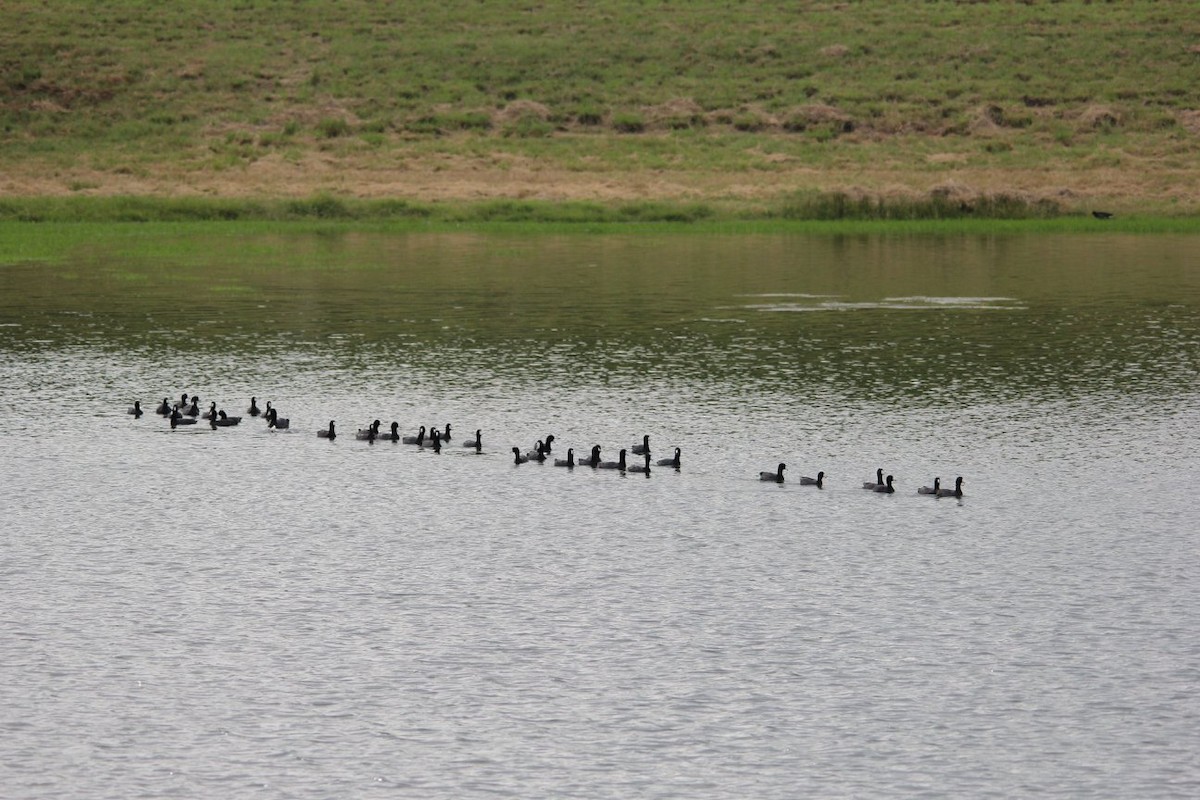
901	313
63	239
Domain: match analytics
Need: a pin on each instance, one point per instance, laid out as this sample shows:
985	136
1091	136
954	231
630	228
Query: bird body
886	487
593	460
618	464
644	447
518	458
773	476
277	422
818	481
418	439
136	411
870	485
477	442
223	420
368	433
569	461
329	434
955	492
933	490
253	410
644	468
178	419
670	462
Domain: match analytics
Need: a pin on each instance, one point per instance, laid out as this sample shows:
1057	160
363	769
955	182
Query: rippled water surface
246	612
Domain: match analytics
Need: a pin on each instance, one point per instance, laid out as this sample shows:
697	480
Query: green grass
935	65
835	209
619	85
817	207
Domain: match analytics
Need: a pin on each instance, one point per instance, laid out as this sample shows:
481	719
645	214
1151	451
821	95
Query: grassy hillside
750	104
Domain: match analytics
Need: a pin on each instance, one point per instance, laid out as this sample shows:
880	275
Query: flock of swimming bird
186	411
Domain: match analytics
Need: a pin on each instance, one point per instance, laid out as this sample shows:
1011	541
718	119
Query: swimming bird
933	490
330	434
818	481
955	492
446	433
194	409
368	433
266	415
644	447
640	467
277	422
886	488
418	439
223	420
538	453
773	476
253	410
178	419
870	485
435	441
548	443
136	411
518	458
211	413
593	460
477	442
164	408
618	464
394	436
569	461
670	462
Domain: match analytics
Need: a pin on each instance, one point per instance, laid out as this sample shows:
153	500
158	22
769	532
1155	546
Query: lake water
244	612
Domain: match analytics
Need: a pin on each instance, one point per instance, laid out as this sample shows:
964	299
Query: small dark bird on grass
1102	214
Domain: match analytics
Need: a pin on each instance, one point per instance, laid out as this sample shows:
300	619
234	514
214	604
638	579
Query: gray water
245	612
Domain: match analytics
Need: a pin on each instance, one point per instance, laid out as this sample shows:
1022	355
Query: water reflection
925	319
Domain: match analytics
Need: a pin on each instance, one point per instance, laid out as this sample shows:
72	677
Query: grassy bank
735	107
834	208
798	206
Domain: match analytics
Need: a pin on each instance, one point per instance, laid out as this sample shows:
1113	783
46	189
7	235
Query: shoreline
807	212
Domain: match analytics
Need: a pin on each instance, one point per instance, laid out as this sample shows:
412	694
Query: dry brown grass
1154	184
